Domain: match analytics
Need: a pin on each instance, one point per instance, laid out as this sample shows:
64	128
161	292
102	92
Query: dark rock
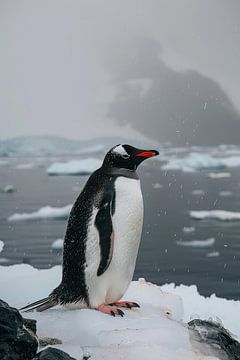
52	354
45	341
217	337
17	342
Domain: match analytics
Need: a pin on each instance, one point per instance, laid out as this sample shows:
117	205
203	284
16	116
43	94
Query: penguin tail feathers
41	305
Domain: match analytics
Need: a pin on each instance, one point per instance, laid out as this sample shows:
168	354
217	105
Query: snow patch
8	189
198	192
197	243
215	214
46	212
157	186
225	193
75	167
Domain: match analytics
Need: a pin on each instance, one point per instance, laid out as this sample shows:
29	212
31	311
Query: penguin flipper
103	223
41	305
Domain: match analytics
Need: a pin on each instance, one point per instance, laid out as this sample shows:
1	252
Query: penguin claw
125	304
113	311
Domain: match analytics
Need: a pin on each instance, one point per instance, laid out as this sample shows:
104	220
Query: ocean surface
169	195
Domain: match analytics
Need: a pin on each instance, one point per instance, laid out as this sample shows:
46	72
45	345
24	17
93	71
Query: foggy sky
75	68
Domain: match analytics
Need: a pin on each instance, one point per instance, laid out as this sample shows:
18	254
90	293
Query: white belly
127	226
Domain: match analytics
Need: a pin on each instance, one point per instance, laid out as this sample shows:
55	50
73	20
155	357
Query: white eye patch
121	151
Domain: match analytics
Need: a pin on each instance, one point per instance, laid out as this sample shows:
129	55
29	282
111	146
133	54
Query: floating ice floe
197	243
57	244
157	186
154	331
215	214
75	167
8	189
3	162
198	192
225	193
188	229
201	161
1	245
219	175
46	212
213	254
26	166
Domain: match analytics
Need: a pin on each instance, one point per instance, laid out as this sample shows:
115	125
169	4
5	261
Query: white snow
46	212
215	214
1	245
74	167
57	244
189	229
197	243
195	161
153	332
219	175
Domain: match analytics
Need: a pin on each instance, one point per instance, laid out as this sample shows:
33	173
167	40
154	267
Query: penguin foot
110	310
125	304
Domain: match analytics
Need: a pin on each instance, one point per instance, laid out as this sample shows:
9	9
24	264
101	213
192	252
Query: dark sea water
214	269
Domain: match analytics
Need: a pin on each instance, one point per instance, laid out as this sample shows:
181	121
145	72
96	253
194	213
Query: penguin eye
125	156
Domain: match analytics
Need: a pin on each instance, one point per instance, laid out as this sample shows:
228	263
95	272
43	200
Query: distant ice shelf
46	212
74	167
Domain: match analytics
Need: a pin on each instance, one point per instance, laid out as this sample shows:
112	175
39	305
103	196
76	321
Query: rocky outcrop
18	339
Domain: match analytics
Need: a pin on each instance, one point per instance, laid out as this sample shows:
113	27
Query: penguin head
127	157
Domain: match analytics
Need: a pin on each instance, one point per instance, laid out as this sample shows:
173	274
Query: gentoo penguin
102	237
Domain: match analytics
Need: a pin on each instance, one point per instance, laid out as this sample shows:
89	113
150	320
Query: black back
73	286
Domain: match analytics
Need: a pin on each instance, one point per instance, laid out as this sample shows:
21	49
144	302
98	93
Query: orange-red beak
148	154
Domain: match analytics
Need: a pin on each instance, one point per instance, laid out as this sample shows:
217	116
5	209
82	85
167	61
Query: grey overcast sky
84	69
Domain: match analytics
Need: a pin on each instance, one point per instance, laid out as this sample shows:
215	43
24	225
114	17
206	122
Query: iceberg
1	245
8	189
46	212
197	243
157	330
221	215
195	161
74	167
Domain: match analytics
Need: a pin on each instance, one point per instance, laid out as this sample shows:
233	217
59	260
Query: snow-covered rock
154	332
215	214
46	212
74	167
197	243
